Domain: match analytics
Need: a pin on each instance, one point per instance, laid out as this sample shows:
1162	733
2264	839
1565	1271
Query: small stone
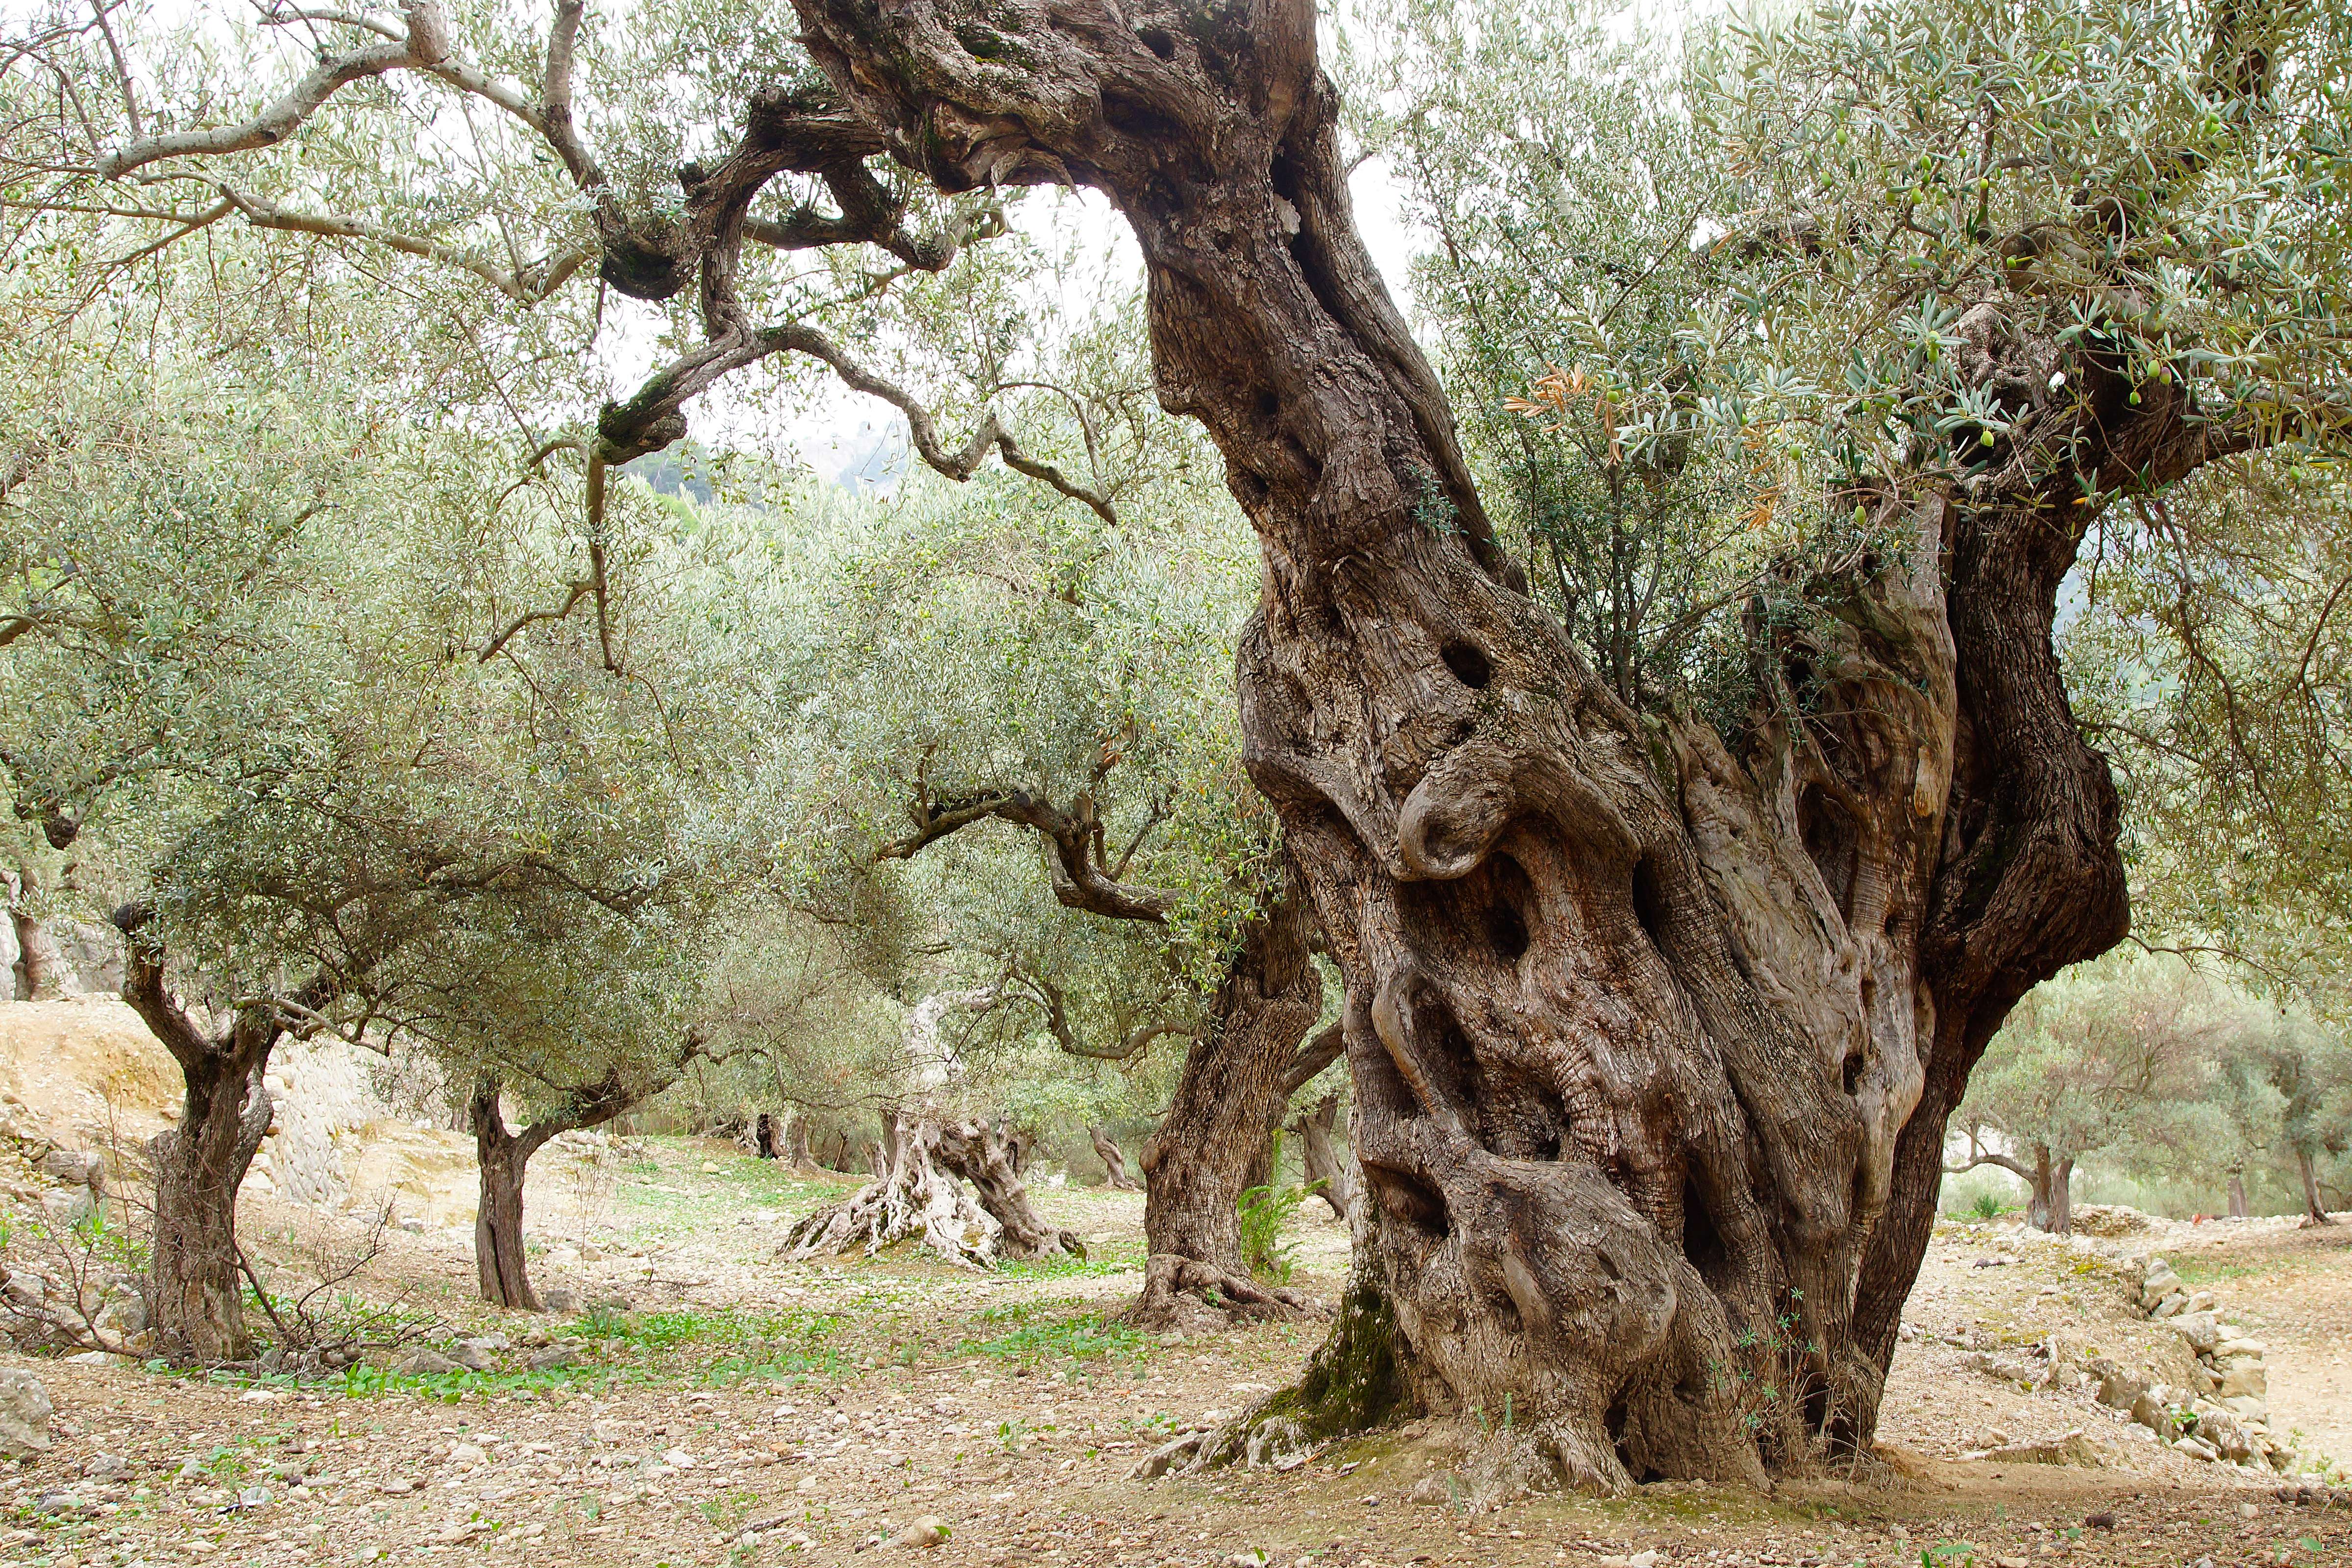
425	1364
553	1360
678	1460
932	1531
711	1167
57	1502
466	1454
105	1466
253	1497
396	1487
559	1300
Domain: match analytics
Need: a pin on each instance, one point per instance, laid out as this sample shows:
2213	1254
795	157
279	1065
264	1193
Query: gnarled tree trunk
1320	1160
915	1196
1114	1160
797	1151
2237	1196
1654	1032
971	1151
1230	1096
195	1299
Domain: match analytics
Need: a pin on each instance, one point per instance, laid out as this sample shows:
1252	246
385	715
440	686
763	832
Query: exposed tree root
1193	1294
912	1197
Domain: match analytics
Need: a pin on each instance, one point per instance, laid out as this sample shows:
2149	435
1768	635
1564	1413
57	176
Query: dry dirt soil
744	1410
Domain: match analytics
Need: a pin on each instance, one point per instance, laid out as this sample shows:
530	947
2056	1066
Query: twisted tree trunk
1654	1032
914	1196
1230	1096
971	1151
1320	1160
1107	1150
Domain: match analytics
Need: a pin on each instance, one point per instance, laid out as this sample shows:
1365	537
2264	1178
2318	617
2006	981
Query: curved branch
525	286
425	46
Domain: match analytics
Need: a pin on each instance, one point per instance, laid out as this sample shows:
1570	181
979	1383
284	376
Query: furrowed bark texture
1229	1099
505	1157
1653	1034
969	1149
197	1307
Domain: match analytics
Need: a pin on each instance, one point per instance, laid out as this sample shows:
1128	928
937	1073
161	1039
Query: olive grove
1655	699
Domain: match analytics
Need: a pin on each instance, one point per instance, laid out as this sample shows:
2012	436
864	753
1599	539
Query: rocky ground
706	1404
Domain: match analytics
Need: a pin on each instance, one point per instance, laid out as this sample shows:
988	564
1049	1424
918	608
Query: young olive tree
2105	1057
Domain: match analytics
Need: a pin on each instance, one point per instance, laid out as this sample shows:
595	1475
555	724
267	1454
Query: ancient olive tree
1655	1021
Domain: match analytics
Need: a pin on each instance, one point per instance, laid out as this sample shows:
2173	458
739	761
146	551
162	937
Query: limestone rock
927	1531
425	1364
24	1411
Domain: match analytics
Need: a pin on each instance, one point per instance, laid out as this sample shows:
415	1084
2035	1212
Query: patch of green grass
2198	1271
1027	1333
790	1331
1095	1265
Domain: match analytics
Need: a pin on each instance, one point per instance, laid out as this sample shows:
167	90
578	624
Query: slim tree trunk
2038	1203
1655	1031
2315	1207
505	1157
1322	1162
1106	1149
1229	1095
2237	1196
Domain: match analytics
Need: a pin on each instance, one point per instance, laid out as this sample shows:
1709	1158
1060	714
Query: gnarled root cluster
1194	1294
912	1197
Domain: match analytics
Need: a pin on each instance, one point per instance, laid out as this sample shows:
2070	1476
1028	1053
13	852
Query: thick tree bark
915	1196
500	1262
1228	1098
1320	1160
2237	1196
194	1297
2062	1198
1114	1160
2315	1207
969	1150
1654	1033
764	1136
